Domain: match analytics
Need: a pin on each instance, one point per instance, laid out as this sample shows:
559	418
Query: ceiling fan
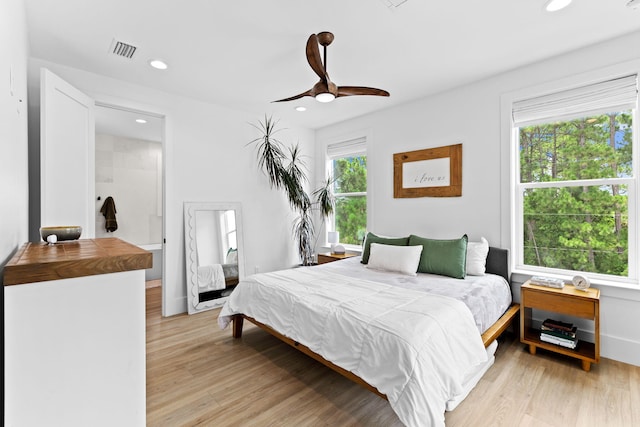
325	90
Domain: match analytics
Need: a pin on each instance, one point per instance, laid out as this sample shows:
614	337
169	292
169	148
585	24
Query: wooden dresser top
39	262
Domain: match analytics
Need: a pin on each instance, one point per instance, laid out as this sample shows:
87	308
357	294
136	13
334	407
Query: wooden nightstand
569	301
329	257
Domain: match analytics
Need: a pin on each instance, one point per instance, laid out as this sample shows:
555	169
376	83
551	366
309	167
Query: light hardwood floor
199	375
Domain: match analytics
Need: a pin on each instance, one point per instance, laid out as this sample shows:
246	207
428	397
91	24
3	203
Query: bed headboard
498	262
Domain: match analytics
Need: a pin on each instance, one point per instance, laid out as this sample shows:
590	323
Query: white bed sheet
488	296
417	348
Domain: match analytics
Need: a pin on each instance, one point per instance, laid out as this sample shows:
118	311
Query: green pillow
443	257
372	238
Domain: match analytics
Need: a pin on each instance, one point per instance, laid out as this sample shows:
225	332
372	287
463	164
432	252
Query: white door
67	155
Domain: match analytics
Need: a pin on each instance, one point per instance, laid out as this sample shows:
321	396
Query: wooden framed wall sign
433	172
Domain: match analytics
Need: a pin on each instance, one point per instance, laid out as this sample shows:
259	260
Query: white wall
205	160
14	204
471	115
129	170
13	128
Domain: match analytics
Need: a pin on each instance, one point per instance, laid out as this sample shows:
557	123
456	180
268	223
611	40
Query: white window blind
347	148
611	95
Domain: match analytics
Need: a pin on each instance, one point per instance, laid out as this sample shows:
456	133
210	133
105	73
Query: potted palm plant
285	170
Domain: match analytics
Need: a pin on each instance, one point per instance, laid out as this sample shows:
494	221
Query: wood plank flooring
198	375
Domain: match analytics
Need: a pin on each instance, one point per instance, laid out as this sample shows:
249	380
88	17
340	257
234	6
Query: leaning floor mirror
214	252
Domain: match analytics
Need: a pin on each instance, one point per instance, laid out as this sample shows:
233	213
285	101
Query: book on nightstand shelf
557	325
559	333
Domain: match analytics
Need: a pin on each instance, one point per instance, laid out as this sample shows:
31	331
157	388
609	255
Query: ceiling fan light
556	5
325	97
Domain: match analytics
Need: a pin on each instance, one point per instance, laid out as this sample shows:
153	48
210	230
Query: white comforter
414	347
488	296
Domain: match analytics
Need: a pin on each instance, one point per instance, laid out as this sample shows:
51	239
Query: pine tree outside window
576	183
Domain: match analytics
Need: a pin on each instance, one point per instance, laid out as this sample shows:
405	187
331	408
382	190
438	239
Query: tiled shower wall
130	171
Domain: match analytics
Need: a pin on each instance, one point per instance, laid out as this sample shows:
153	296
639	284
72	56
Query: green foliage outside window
577	227
351	209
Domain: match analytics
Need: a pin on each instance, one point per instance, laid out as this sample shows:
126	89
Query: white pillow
232	257
402	259
477	257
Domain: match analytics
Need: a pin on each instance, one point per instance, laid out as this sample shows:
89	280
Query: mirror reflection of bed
207	276
213	250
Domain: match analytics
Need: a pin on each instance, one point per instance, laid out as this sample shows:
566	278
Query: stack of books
559	333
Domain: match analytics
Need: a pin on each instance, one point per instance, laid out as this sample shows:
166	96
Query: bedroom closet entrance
129	180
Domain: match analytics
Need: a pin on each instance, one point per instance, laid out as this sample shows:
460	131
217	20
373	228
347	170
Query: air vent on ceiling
122	49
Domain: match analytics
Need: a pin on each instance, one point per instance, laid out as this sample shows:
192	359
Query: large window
347	166
576	184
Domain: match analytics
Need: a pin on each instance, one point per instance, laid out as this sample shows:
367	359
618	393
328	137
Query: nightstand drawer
553	302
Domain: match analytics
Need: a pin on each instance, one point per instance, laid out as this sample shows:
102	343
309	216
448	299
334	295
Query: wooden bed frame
497	263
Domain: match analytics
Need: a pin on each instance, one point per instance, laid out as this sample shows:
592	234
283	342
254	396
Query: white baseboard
620	349
175	306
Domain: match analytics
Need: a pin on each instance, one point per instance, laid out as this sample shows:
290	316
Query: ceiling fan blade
314	58
360	90
306	93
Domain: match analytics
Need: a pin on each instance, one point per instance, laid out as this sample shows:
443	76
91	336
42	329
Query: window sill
353	249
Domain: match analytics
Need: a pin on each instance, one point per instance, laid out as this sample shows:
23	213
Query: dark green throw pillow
372	238
444	257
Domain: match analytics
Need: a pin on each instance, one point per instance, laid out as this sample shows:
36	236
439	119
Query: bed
422	342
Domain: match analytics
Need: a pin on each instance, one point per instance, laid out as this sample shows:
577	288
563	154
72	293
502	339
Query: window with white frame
576	183
347	167
228	231
228	225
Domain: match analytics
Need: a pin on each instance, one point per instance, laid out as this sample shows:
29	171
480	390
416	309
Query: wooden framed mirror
214	252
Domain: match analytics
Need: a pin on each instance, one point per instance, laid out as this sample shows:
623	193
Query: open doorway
129	178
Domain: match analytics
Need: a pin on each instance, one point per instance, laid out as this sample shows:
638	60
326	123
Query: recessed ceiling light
159	64
141	121
301	108
556	5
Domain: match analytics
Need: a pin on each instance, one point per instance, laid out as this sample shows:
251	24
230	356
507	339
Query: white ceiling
246	53
124	123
